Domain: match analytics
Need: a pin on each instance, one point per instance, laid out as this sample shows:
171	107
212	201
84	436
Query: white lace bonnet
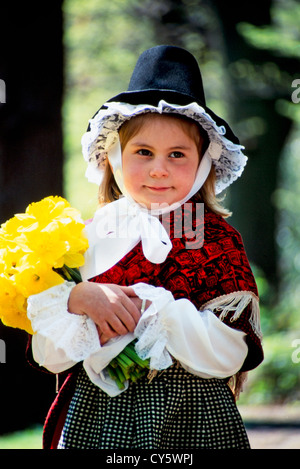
166	79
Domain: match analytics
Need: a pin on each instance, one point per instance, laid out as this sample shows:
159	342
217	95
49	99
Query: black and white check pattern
176	410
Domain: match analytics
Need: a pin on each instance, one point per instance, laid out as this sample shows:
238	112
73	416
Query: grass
25	439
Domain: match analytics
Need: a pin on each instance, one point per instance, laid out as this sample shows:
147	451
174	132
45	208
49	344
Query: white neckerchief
121	225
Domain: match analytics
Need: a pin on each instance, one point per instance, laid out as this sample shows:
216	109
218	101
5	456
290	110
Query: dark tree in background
254	99
30	132
31	162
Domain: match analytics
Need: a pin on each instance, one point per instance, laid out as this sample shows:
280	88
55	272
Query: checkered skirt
176	410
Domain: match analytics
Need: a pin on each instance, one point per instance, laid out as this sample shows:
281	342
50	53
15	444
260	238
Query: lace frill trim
75	334
227	157
150	331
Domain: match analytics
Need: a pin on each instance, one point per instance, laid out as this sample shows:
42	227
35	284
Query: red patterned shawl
216	274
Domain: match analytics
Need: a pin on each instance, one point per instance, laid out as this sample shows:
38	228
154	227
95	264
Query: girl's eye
176	154
144	152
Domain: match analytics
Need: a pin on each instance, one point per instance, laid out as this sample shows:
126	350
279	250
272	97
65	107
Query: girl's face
160	162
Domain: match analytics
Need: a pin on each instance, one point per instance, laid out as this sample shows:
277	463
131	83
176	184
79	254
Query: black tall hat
172	74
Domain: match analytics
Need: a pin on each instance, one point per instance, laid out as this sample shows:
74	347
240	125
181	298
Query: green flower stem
125	372
133	355
127	366
69	274
138	374
120	374
65	273
113	376
124	362
113	363
74	273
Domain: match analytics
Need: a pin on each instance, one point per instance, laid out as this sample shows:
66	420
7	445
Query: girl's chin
155	202
151	198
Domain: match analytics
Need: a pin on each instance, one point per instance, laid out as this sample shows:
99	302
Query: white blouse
169	329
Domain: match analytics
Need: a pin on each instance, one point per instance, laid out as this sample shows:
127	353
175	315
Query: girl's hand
138	302
114	309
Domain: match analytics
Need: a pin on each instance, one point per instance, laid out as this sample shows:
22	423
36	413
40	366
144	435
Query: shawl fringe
236	302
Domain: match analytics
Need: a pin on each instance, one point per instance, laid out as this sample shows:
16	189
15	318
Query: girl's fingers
105	338
130	307
113	308
129	291
125	318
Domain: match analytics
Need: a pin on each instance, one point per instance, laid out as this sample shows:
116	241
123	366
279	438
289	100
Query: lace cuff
150	331
60	338
203	344
152	342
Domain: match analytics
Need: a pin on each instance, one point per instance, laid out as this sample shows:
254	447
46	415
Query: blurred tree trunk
251	197
31	131
31	162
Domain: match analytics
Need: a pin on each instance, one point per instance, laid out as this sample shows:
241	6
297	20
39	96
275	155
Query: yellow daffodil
33	279
46	244
13	305
37	248
12	259
15	226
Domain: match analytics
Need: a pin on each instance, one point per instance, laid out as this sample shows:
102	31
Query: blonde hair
109	190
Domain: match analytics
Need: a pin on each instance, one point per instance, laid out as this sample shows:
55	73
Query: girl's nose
158	170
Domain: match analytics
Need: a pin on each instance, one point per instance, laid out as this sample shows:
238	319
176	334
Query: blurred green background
249	59
103	40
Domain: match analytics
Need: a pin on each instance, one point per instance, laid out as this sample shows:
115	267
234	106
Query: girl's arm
62	339
114	309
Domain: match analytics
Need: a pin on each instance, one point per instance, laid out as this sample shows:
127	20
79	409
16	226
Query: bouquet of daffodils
40	249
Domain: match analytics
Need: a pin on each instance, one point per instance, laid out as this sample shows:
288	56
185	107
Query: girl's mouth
158	189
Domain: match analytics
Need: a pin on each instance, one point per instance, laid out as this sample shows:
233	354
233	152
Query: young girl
164	267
